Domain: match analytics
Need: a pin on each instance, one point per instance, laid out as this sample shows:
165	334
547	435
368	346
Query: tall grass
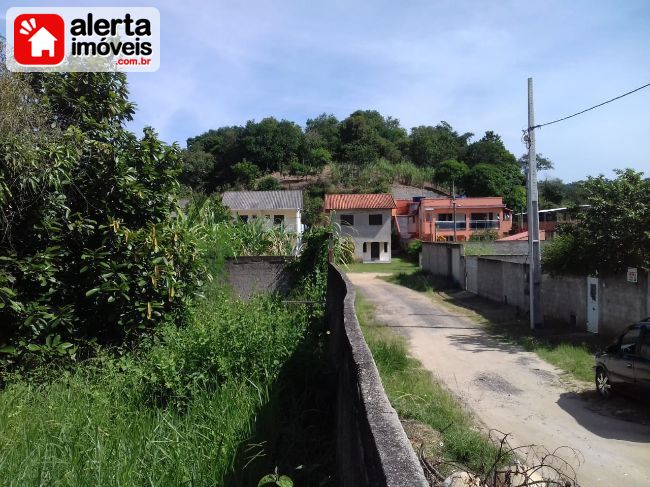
379	175
172	413
221	398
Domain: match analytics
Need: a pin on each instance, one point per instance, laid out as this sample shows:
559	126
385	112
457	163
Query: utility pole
534	256
453	202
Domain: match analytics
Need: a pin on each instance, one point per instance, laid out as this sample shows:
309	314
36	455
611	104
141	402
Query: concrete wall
621	302
504	278
362	232
564	299
258	275
372	449
444	259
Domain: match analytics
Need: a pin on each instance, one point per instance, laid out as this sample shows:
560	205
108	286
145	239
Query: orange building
437	219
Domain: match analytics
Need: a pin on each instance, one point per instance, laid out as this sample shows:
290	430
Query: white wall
292	218
362	232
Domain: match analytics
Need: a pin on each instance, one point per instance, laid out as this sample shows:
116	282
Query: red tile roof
359	201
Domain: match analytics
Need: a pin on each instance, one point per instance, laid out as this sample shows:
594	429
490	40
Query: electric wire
588	109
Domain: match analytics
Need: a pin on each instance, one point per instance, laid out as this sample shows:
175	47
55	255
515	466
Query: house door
374	251
592	304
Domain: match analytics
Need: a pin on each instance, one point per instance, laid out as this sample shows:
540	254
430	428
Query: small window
243	218
429	216
385	247
347	220
374	219
278	219
365	247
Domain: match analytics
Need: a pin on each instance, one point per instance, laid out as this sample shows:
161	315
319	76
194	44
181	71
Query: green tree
429	146
609	235
323	132
551	193
543	163
89	246
489	150
271	144
268	183
451	172
198	168
245	173
226	148
367	135
495	180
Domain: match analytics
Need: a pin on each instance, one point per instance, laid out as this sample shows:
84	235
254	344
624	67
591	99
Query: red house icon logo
39	39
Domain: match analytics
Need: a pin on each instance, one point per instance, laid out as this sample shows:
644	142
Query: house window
429	216
374	219
386	247
365	247
243	218
446	217
347	220
278	219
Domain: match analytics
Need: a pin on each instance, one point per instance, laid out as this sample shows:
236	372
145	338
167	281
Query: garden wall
504	278
372	448
258	275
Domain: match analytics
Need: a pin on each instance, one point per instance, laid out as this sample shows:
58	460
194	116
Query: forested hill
365	152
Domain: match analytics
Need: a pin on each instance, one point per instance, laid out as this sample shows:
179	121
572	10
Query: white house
42	41
276	207
367	219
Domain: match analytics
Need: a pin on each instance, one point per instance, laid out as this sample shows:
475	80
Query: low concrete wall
444	259
258	275
621	302
504	278
372	448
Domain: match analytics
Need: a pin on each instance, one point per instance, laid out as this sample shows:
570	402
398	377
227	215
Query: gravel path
514	391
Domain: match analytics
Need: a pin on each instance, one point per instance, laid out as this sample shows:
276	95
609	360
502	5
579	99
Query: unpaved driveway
513	390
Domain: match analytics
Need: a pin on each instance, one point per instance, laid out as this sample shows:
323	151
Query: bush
268	183
413	249
90	247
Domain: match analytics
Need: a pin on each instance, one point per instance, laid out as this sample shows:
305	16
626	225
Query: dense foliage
366	152
609	235
89	245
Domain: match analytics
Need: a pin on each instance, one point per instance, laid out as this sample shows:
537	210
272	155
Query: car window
629	341
644	345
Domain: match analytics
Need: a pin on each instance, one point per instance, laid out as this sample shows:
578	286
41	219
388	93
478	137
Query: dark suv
625	364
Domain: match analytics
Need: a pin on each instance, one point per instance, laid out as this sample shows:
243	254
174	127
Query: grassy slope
98	426
416	395
575	359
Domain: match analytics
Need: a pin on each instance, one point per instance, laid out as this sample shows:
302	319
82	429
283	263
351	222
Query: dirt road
515	391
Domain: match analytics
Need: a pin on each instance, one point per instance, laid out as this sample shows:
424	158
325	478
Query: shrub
413	249
268	183
89	246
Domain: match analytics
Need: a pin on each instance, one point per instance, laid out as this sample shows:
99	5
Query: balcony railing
473	224
483	224
460	225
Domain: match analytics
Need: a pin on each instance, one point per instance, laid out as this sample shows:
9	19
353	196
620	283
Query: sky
465	62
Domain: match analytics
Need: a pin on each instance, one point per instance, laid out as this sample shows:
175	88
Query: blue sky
464	62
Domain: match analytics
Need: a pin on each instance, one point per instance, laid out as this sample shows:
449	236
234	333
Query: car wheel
603	385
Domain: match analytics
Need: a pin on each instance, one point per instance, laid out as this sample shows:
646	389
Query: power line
590	108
